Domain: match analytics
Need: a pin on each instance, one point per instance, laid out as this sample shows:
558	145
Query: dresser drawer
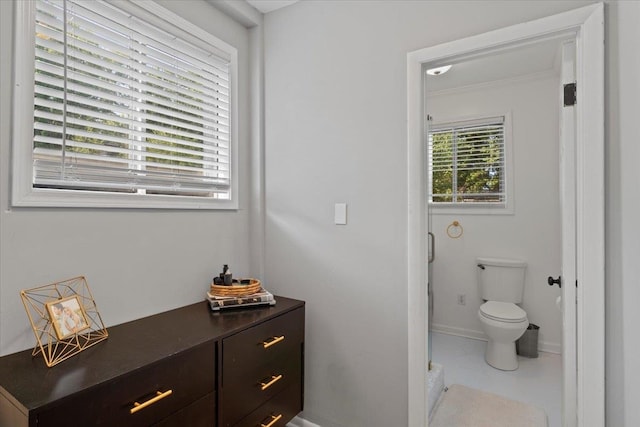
278	411
262	344
166	386
201	413
259	363
244	393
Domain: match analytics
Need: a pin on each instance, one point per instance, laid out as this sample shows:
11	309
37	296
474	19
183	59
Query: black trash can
527	344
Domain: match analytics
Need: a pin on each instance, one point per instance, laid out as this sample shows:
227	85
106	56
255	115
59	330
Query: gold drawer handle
159	395
274	379
275	340
274	419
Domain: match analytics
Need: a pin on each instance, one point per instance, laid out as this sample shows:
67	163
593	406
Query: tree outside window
467	163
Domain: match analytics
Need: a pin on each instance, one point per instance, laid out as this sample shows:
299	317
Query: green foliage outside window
468	164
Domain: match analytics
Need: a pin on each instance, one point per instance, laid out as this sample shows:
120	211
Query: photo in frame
67	316
64	318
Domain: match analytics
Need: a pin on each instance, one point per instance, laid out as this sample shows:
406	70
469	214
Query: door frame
567	153
586	26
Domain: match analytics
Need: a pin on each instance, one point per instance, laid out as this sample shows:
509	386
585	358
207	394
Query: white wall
531	233
336	132
137	262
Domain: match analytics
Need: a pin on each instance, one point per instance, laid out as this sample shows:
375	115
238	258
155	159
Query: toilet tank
501	279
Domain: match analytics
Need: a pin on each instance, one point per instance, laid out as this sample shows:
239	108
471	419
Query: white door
568	226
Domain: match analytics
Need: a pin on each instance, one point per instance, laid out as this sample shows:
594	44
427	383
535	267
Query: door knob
551	281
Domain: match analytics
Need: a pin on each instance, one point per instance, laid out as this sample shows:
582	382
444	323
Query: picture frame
67	316
57	342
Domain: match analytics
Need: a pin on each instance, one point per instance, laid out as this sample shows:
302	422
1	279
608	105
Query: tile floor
536	381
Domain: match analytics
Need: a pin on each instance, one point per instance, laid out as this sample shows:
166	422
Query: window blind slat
212	135
95	88
112	179
124	125
124	162
127	109
129	156
95	100
140	47
115	20
466	162
99	71
116	145
118	52
144	64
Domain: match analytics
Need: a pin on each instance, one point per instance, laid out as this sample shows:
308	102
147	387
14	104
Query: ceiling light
439	70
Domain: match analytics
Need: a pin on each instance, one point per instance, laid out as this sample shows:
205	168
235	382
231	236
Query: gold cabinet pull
159	395
274	419
274	379
275	340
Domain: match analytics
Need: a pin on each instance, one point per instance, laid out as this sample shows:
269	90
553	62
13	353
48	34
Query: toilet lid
503	311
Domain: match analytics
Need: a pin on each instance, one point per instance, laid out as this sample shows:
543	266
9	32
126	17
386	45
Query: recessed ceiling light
438	70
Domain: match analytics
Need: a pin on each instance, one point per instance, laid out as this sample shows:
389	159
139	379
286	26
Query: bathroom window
467	163
122	105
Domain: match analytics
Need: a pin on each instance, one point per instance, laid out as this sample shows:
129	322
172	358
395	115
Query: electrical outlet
462	299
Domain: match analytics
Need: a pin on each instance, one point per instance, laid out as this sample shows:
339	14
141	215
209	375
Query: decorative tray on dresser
187	367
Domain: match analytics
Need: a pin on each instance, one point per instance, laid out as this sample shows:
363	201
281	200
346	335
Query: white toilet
501	285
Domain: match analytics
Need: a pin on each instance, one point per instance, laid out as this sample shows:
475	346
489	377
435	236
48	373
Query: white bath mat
467	407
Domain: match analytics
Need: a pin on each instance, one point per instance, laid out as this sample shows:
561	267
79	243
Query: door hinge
570	94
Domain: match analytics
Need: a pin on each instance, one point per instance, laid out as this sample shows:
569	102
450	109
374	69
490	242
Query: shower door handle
431	239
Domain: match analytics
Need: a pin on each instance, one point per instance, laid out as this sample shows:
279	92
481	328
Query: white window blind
467	162
122	106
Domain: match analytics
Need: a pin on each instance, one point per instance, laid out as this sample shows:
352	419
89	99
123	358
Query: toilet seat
503	312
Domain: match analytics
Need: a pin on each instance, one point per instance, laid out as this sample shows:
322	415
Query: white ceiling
535	58
266	6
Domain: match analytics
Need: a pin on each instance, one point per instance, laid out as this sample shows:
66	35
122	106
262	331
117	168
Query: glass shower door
427	143
431	248
431	239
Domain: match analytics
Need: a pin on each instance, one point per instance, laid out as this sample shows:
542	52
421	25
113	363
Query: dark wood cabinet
258	364
186	367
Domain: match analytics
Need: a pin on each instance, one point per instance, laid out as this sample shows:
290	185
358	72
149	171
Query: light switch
340	216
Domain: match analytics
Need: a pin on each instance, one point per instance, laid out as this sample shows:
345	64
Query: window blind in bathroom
467	161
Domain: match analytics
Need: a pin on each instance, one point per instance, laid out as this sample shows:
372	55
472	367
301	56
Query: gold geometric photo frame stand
56	350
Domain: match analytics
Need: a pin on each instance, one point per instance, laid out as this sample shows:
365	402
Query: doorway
494	192
585	27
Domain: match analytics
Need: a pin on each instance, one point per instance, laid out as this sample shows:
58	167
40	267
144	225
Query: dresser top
28	383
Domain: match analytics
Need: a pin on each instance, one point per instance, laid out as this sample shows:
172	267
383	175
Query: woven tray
236	290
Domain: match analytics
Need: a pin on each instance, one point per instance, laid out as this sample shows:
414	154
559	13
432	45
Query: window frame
24	194
478	208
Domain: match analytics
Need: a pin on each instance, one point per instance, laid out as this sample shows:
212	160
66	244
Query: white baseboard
301	422
545	346
550	347
459	332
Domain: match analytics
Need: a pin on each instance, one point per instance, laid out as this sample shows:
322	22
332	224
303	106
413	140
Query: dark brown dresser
187	367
